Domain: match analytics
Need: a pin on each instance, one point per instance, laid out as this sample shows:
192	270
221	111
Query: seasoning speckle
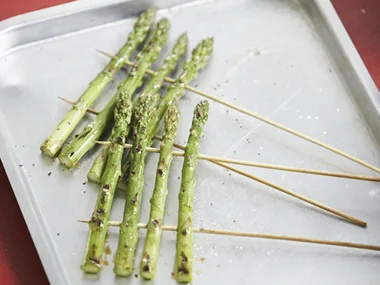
33	164
57	234
49	173
136	275
20	165
84	183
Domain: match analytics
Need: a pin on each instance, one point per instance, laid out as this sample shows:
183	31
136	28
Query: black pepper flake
155	223
106	187
21	165
234	221
96	221
84	183
160	172
57	234
134	200
49	173
145	268
136	275
33	164
179	177
84	192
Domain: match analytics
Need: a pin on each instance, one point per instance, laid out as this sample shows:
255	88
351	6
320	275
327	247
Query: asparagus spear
51	146
199	59
100	217
128	229
157	201
184	247
86	140
152	87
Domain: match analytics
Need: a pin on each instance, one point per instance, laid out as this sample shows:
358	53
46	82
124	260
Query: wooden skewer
261	165
258	235
92	111
261	118
284	190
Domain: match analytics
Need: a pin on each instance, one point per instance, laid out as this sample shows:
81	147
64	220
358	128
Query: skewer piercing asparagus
184	248
158	199
86	139
100	217
52	145
153	86
197	62
128	236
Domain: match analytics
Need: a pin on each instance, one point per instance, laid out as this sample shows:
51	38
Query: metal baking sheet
290	61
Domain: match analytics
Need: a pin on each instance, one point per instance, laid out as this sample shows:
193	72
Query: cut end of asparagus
52	153
123	272
146	274
182	277
91	267
66	161
94	177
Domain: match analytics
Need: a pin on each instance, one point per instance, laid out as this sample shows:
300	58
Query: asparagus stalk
87	138
184	247
100	217
52	145
152	87
158	199
128	229
198	61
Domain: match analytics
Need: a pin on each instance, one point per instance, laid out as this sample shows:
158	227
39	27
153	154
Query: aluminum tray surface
290	61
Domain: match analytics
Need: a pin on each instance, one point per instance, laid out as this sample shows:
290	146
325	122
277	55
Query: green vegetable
198	61
128	229
52	145
91	133
152	87
158	199
100	217
184	247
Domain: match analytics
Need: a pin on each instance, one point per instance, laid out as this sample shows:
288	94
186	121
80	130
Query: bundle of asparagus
52	145
147	125
87	138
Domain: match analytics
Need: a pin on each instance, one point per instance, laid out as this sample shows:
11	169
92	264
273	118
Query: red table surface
19	262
